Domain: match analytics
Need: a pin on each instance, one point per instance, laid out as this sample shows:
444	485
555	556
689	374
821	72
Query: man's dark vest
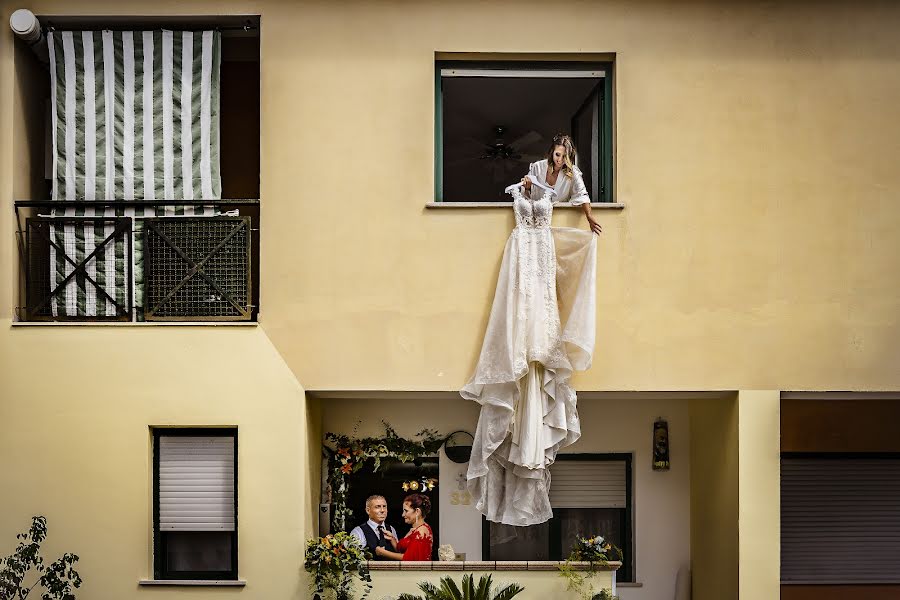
372	540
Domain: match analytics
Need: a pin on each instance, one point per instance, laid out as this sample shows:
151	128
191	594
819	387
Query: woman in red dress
415	545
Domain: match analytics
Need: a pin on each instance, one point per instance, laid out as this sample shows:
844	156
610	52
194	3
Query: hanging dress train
540	330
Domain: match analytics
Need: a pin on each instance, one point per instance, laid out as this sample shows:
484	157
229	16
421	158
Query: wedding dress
540	330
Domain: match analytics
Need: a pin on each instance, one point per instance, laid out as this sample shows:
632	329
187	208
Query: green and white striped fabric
109	268
135	116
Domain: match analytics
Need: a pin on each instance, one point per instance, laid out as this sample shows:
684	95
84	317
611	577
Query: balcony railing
138	260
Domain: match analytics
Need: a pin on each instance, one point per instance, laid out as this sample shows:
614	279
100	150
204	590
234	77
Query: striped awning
135	116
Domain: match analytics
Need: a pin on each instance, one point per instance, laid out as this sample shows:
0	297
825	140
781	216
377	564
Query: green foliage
350	454
333	561
448	590
596	551
58	578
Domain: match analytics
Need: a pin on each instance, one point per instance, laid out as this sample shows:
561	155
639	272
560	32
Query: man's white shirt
359	535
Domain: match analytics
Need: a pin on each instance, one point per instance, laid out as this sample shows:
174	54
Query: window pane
519	543
493	127
198	551
588	522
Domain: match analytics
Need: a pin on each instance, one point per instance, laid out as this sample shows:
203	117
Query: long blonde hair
561	139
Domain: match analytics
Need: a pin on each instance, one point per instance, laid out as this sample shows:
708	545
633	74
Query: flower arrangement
333	561
349	454
594	550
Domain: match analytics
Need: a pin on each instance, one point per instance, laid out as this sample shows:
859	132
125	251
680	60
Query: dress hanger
534	181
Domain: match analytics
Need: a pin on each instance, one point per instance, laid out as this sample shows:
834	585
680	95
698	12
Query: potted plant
334	561
448	590
596	551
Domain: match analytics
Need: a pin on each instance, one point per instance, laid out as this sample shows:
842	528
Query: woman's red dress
417	545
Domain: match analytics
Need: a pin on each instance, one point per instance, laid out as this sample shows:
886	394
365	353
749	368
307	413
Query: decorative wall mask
661	445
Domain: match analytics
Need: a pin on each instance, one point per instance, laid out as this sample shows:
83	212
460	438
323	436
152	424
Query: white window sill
629	584
600	205
134	324
195	582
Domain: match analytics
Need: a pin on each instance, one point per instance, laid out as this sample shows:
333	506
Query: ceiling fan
499	149
500	157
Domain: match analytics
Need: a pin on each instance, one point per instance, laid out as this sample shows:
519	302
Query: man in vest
371	534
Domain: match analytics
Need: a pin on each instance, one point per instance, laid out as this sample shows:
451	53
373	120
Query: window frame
159	540
605	174
627	572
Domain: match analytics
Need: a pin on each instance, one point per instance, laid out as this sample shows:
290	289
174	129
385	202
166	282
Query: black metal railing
120	266
197	268
75	269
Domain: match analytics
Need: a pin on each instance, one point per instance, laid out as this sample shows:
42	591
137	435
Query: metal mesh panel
37	277
76	269
197	268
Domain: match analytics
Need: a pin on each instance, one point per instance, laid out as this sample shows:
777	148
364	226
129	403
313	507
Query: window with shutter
588	484
590	495
840	519
195	503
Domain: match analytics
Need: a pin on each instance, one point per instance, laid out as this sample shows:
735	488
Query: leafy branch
58	579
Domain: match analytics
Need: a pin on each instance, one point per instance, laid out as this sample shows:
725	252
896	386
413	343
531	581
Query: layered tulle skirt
540	330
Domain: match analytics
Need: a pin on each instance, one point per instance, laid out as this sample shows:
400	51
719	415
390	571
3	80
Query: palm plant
448	590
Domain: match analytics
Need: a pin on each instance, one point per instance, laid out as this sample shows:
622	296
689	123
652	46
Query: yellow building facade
751	251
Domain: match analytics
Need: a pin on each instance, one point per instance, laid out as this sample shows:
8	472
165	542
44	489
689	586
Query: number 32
457	498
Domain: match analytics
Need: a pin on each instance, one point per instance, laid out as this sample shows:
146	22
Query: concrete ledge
195	582
416	565
134	323
384	565
601	205
483	565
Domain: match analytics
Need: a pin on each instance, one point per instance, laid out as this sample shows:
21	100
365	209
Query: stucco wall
756	250
756	148
758	244
538	585
76	446
715	534
760	498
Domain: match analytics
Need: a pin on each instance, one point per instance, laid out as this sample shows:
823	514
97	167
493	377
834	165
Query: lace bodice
532	214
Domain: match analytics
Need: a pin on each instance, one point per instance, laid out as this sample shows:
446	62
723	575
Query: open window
388	481
495	118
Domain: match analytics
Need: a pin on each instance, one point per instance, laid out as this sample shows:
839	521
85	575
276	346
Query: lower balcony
142	261
654	473
540	579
